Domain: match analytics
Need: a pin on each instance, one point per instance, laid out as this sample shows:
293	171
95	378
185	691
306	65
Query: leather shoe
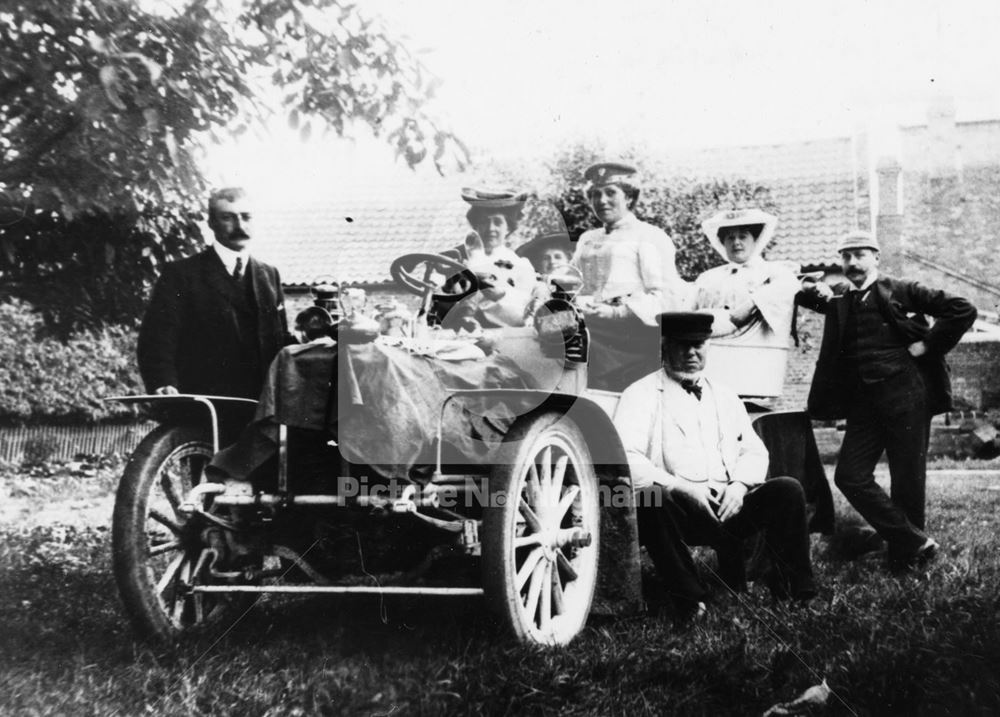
926	552
694	614
923	555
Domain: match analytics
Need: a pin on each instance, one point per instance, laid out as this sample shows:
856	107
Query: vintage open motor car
506	480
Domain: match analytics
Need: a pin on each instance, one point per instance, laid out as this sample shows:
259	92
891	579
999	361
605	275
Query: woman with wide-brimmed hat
548	252
629	277
752	299
748	295
506	279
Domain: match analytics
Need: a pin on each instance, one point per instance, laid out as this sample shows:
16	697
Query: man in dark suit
882	367
216	319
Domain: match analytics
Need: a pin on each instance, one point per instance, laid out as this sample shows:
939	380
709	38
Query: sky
523	76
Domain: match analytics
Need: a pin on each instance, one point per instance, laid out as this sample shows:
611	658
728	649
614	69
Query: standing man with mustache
882	367
216	319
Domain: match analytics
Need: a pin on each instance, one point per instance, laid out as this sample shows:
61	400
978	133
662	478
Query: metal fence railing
63	443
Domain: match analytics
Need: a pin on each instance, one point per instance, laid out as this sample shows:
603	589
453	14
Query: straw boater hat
483	202
532	250
492	198
760	223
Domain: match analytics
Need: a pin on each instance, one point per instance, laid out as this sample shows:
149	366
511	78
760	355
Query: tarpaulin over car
381	404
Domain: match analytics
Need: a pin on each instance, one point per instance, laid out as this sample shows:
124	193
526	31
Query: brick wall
975	375
802	361
951	206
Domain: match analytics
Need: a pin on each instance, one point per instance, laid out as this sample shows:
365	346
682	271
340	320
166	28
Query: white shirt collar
229	256
668	378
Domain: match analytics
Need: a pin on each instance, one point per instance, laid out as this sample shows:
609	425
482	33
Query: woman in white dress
629	277
752	299
506	279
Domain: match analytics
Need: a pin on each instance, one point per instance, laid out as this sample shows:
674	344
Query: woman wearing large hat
747	294
547	252
629	277
752	299
506	278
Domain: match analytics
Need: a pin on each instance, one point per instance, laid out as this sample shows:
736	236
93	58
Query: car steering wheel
405	272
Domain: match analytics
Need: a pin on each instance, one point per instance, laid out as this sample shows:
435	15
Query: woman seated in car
547	252
506	279
629	277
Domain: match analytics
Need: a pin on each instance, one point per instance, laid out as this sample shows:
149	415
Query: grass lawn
919	644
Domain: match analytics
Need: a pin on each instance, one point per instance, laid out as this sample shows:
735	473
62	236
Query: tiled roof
356	239
812	183
813	214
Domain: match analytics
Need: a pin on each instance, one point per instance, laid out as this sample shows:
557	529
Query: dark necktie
238	269
693	387
858	296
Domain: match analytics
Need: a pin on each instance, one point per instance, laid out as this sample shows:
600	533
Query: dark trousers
668	525
890	416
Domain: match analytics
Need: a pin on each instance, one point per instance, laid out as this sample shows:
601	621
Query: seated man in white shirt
699	471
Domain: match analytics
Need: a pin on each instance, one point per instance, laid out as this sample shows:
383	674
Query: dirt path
78	500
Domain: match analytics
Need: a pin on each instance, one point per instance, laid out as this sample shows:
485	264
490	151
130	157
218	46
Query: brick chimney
889	221
862	178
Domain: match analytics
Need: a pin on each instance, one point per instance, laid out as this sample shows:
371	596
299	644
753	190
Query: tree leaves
106	106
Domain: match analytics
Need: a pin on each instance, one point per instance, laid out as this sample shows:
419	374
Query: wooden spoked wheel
156	546
541	531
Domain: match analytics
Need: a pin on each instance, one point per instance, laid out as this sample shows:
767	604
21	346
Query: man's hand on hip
732	500
917	349
166	391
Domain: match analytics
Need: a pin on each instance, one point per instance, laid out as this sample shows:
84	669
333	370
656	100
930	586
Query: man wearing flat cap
699	471
882	367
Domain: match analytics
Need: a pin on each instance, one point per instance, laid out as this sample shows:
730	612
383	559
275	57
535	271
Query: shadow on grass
56	615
